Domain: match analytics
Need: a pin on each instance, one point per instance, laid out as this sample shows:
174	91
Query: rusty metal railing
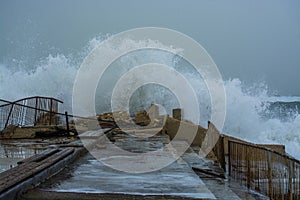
36	111
29	111
271	173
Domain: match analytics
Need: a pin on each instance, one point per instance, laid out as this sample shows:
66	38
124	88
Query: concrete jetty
88	178
149	156
93	167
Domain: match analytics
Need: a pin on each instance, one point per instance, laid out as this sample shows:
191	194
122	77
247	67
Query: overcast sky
254	40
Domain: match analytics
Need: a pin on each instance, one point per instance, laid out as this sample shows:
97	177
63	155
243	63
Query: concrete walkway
89	178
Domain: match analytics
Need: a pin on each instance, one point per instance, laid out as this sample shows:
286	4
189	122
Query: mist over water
248	107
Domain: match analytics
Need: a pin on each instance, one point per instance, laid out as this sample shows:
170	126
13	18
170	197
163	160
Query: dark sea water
285	111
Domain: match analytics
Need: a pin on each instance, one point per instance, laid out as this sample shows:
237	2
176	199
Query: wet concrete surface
89	175
89	178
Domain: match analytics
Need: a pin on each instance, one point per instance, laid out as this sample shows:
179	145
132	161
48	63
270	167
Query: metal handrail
266	149
269	172
40	105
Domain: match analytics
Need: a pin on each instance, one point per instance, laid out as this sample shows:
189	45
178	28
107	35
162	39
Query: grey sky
254	40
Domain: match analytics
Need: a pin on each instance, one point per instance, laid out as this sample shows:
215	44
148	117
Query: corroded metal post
35	111
229	157
248	167
51	104
270	174
8	117
290	183
67	122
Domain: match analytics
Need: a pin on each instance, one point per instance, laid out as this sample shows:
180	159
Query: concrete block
153	112
172	127
178	113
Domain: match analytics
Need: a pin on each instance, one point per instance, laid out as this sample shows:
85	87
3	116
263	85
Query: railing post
223	153
67	122
270	174
229	158
9	114
50	111
248	167
35	112
290	184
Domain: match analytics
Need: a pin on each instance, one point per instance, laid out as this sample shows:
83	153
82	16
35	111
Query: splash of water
53	78
245	107
55	74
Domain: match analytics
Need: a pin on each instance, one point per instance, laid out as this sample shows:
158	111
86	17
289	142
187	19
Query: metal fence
29	111
271	173
43	111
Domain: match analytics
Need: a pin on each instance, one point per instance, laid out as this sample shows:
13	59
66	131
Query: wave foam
55	75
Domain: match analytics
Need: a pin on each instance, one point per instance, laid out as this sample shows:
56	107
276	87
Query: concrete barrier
172	127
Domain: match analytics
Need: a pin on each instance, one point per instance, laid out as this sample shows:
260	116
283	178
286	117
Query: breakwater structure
232	169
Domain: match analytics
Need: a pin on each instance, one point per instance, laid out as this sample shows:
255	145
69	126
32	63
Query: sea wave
246	111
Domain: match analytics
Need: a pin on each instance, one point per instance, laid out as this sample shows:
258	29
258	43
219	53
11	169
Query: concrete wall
210	141
186	129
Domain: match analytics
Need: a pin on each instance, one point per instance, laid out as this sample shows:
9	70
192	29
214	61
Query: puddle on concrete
12	151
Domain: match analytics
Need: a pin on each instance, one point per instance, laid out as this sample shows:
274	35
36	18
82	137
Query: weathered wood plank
32	167
40	156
